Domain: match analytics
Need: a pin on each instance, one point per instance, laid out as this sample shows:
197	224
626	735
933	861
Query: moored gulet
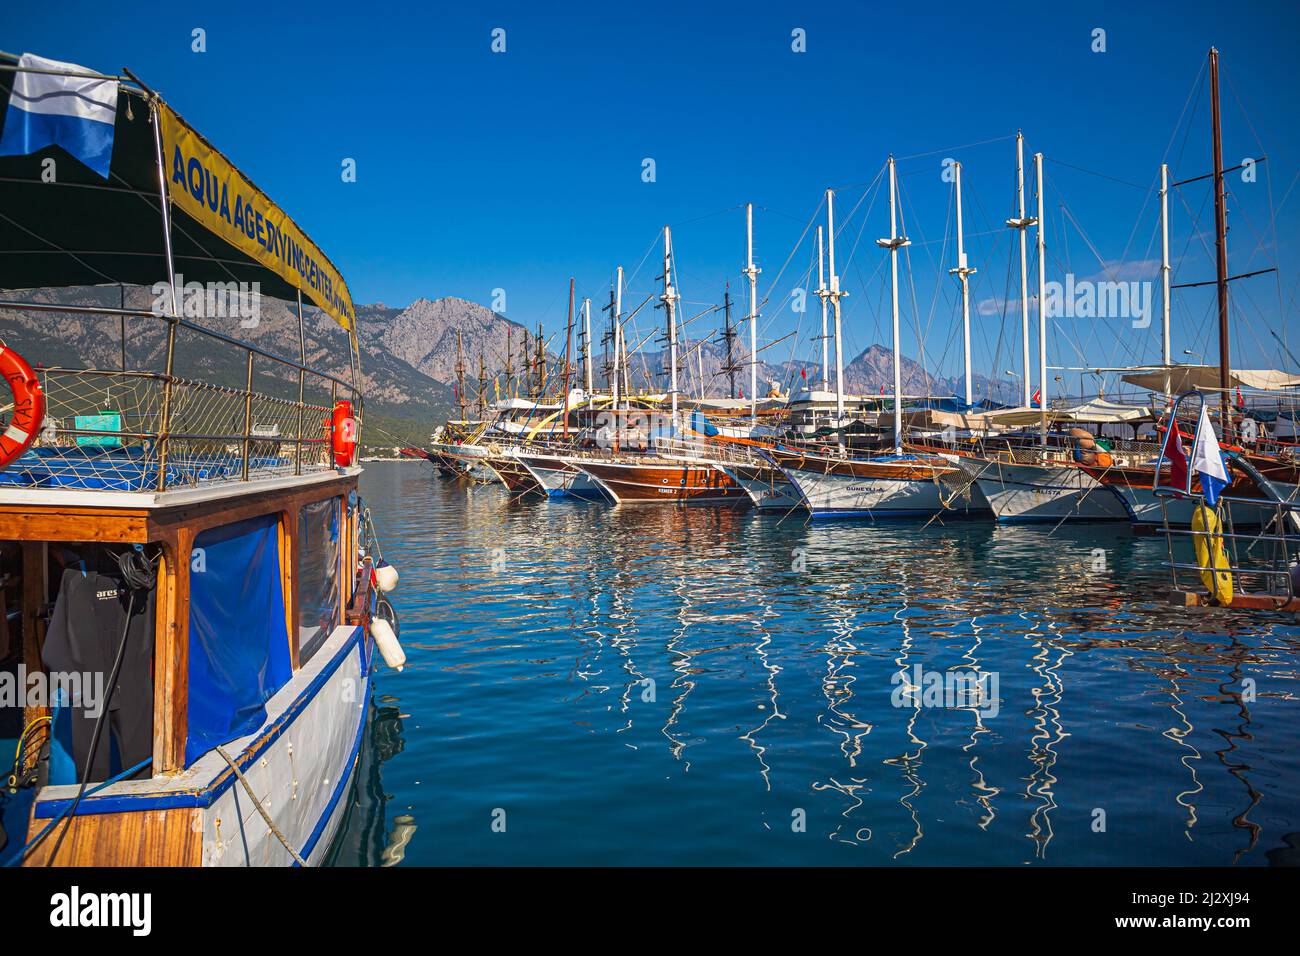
662	480
195	539
1028	485
876	485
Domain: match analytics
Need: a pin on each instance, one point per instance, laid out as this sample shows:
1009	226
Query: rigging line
1187	133
778	212
866	216
1244	114
808	225
979	205
1194	91
1092	172
1260	238
1111	272
933	152
939	285
707	215
911	280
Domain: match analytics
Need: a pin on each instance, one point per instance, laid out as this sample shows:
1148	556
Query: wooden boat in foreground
221	561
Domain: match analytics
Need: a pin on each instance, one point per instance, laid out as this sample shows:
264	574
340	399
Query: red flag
1241	402
1173	453
1038	397
803	373
882	390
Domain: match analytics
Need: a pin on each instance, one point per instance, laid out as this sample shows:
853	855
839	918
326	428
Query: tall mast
752	274
1042	305
509	362
1220	250
526	364
835	295
568	353
893	244
618	333
963	273
586	343
821	294
729	341
540	345
1021	223
460	376
1165	351
669	298
482	386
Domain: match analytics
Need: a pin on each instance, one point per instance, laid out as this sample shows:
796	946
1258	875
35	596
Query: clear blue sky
479	171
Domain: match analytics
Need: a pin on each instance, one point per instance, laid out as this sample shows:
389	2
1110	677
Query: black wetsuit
83	637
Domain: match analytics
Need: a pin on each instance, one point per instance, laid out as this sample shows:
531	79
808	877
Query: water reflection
362	839
678	684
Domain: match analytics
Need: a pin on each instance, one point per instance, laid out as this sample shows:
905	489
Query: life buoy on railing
28	406
343	434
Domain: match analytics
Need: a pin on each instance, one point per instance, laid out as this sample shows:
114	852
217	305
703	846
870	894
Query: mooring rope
261	809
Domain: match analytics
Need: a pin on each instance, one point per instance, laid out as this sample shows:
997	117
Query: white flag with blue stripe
1207	459
55	109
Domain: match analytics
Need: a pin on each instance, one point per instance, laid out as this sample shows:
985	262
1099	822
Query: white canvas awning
1097	411
1185	378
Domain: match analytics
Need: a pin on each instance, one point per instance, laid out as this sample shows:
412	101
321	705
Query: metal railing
242	413
1262	563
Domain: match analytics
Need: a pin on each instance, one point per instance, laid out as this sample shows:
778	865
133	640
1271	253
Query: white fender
388	644
385	576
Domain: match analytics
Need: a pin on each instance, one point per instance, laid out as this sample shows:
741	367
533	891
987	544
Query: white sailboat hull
1028	493
1145	507
766	492
847	496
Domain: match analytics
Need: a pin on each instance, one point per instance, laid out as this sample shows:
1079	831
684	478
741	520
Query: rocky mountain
408	355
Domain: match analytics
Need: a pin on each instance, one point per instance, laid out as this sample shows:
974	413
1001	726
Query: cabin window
318	575
239	645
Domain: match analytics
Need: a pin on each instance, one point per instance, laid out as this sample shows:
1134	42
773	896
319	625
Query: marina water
666	685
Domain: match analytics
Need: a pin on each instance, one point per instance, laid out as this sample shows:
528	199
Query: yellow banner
208	188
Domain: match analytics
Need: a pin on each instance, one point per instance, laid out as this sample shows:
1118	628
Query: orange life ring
343	434
28	410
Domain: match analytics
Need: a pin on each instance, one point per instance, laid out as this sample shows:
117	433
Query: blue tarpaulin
239	641
701	424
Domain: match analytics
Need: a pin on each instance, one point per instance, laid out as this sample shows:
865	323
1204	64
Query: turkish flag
1174	453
